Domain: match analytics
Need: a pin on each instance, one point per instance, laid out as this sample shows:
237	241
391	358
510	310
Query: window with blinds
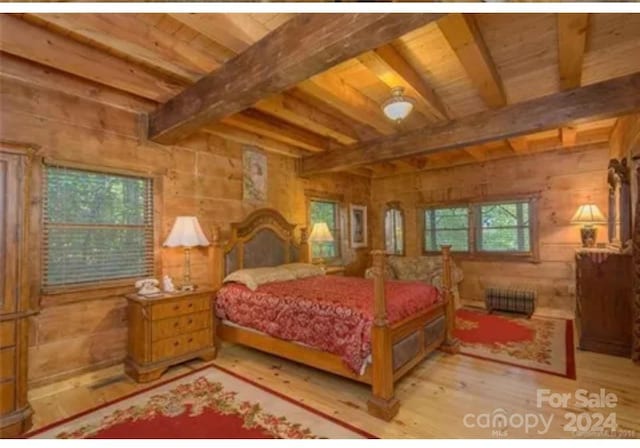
97	227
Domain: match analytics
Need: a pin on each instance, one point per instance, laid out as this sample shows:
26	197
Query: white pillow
303	270
252	278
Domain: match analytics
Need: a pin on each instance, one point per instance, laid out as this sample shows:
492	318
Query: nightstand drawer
180	345
166	328
180	307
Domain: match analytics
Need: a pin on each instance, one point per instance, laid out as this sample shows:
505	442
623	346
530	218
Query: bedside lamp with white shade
589	215
187	233
320	233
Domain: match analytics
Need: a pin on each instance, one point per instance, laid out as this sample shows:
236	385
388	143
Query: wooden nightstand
168	330
334	270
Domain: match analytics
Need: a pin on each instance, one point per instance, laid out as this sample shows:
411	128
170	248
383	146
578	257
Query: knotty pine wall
77	332
565	179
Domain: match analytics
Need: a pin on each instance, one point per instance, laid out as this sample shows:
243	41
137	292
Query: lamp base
187	288
589	235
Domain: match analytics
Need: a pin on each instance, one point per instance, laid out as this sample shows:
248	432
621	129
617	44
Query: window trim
395	205
532	256
337	200
104	285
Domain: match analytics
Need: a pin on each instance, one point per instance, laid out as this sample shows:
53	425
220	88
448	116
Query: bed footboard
397	348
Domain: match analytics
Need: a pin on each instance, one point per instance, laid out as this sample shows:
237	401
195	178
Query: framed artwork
358	225
254	175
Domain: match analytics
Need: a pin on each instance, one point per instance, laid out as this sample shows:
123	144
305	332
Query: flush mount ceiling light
398	107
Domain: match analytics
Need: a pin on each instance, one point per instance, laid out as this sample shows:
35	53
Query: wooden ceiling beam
568	135
463	35
46	47
519	145
93	30
598	101
43	77
334	91
260	123
249	138
299	112
572	39
223	29
394	70
304	46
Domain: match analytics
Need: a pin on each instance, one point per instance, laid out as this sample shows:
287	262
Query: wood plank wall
203	177
564	178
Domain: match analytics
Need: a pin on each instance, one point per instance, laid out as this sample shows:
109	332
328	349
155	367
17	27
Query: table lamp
187	233
589	215
320	233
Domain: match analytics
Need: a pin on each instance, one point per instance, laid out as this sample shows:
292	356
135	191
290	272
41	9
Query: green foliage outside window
447	226
97	227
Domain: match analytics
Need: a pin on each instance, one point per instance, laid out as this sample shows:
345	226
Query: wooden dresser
15	303
167	331
604	291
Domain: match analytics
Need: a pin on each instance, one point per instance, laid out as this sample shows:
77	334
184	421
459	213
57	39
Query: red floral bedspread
330	313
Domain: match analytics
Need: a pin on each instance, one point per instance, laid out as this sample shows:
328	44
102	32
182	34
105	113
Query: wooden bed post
217	255
383	403
305	256
451	344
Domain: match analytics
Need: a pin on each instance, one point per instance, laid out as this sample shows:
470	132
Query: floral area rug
209	403
540	344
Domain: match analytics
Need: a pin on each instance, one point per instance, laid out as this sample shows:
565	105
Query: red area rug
540	344
210	403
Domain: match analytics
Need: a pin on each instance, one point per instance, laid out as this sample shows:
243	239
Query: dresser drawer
180	345
7	333
166	328
7	396
7	363
180	307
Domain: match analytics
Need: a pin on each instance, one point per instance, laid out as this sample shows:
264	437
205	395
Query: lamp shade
186	232
398	107
588	214
320	233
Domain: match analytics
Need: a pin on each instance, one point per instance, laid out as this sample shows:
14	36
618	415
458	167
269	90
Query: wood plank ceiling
455	67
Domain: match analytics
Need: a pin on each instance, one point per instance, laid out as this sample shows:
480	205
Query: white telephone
147	287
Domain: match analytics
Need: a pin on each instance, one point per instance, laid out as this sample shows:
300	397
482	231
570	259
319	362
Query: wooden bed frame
395	348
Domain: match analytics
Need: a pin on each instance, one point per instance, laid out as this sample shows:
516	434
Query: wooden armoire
15	301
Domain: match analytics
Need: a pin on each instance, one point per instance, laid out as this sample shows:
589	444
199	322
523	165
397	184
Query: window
482	228
504	228
394	230
324	211
97	227
446	226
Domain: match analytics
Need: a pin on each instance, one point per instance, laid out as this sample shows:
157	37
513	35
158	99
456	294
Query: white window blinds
97	227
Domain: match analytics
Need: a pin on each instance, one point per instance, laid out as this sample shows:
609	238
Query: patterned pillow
252	278
303	270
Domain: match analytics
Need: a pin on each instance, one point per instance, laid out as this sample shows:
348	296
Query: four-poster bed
265	238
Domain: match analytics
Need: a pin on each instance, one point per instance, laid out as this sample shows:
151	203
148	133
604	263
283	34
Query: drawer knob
191	305
175	344
175	325
190	321
190	339
176	307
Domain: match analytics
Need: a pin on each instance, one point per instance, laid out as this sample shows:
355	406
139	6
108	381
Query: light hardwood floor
435	397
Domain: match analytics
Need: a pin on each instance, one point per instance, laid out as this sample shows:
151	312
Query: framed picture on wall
254	178
358	225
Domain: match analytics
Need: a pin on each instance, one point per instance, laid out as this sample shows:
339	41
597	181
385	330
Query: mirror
618	179
394	229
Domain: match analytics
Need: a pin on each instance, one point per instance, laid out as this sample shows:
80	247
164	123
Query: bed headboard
264	238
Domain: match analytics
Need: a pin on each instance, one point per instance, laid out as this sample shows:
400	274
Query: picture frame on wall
358	226
254	179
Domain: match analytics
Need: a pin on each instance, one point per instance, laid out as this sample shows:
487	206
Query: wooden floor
435	397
